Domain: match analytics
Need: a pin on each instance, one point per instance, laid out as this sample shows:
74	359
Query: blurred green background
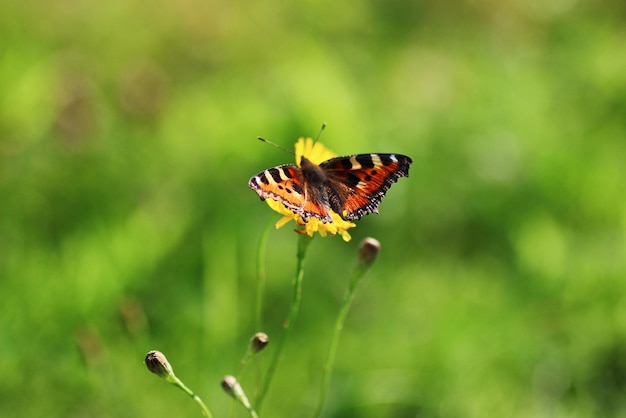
127	137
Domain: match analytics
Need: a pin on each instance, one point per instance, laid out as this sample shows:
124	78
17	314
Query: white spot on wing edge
355	163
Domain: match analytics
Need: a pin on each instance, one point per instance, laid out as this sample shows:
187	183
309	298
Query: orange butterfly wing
359	182
351	186
286	185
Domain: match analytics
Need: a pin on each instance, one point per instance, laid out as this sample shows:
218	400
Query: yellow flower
317	154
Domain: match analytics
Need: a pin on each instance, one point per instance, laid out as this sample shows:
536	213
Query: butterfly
351	186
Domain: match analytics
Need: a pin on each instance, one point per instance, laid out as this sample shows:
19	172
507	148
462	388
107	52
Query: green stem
250	410
177	382
303	244
359	271
244	362
260	271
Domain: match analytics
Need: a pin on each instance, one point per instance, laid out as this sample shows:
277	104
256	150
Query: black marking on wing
275	173
286	185
361	187
365	160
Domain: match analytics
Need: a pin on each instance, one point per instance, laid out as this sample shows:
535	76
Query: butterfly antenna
276	145
320	133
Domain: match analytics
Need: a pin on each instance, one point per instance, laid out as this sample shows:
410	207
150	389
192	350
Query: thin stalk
303	244
260	272
327	370
177	382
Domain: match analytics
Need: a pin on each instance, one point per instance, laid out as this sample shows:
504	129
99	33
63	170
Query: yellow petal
315	152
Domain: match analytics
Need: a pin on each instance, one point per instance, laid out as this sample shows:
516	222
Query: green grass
127	137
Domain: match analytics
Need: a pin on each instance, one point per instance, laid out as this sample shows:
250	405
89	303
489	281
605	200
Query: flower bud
259	341
368	251
158	364
230	385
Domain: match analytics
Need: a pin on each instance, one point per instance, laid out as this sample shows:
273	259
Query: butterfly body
351	186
